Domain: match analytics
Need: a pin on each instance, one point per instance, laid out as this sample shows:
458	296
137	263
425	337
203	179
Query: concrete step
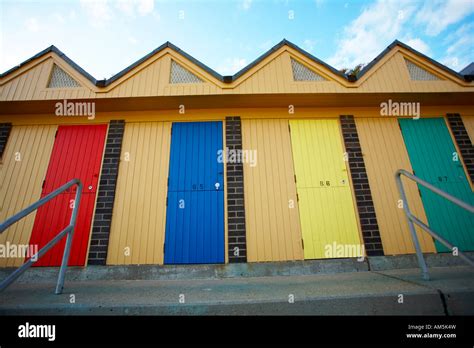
264	269
451	291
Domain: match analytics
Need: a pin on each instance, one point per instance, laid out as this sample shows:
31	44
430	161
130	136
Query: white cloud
59	18
308	45
438	15
156	15
319	3
132	39
99	11
459	52
32	24
366	36
145	7
419	45
133	7
72	14
246	4
463	37
453	63
231	66
266	45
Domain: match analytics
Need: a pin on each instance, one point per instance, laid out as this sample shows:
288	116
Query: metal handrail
69	230
413	219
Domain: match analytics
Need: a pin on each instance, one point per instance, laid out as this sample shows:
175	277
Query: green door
433	158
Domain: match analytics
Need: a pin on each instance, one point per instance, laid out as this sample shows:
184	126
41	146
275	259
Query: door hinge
164	244
419	191
295	177
166	201
297	198
168	183
56	134
44	183
289	128
302	243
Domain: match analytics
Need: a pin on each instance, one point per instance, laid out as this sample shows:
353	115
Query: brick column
106	194
235	194
5	129
365	204
463	141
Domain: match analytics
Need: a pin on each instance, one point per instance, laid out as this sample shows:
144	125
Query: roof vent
302	73
419	74
179	74
61	79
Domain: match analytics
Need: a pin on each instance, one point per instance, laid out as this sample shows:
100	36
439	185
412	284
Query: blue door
195	212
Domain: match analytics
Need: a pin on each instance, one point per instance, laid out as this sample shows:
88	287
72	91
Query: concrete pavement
356	292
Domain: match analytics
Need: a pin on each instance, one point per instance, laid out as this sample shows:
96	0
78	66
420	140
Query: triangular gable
392	74
179	74
165	65
43	78
50	69
433	70
303	73
285	64
61	79
419	74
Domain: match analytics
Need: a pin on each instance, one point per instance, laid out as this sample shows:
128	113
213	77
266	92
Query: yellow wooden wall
27	85
138	221
469	124
384	153
271	209
21	181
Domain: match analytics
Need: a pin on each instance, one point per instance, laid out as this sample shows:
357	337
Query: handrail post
67	247
411	226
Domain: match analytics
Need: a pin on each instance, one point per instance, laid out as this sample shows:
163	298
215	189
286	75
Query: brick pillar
106	195
365	204
463	141
235	194
5	129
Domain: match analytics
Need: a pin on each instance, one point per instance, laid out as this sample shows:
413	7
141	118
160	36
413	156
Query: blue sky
105	36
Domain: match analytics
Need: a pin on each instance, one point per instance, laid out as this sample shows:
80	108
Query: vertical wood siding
21	181
273	228
384	153
138	221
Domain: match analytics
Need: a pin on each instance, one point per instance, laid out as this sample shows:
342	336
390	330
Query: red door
77	153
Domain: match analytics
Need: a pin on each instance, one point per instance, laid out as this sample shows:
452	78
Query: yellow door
327	211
